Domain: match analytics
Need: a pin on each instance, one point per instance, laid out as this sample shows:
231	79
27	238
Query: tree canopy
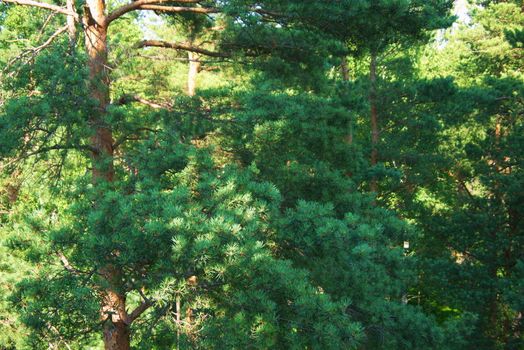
278	174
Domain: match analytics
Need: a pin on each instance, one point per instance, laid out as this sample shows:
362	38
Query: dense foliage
279	174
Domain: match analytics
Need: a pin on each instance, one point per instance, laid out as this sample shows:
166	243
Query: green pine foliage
242	217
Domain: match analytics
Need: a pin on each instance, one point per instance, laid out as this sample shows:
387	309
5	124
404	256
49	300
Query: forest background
278	174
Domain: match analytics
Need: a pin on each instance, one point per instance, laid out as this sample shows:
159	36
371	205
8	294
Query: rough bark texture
113	308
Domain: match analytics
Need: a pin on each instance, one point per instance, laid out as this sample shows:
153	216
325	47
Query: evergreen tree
141	209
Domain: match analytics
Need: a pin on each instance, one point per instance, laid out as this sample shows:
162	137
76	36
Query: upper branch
46	6
181	46
156	5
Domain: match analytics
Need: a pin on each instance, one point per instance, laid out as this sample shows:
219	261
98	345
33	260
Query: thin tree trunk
113	309
345	76
373	116
71	26
194	67
345	69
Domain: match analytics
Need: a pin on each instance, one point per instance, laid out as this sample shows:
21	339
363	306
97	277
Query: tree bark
71	25
194	67
113	309
96	47
373	117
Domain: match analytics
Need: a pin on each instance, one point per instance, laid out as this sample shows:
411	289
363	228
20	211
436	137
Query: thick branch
44	6
180	46
155	5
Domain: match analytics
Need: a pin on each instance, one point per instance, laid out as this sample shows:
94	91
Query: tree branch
46	6
135	98
180	46
67	265
35	50
146	5
61	147
127	137
44	150
146	304
139	311
179	9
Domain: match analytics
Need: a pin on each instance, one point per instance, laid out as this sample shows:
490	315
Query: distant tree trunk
194	67
71	26
13	187
345	76
113	308
373	116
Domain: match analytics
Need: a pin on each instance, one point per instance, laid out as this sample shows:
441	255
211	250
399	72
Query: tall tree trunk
194	67
113	308
373	116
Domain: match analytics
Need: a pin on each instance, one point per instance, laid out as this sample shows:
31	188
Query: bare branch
139	311
50	39
45	150
179	9
46	6
180	46
143	5
32	52
44	26
146	304
65	262
70	268
135	98
128	137
267	13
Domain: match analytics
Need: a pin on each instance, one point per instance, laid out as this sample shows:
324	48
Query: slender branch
143	5
135	98
180	46
61	147
179	9
44	26
70	268
146	304
139	311
32	52
267	13
66	263
127	137
50	39
46	6
47	149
